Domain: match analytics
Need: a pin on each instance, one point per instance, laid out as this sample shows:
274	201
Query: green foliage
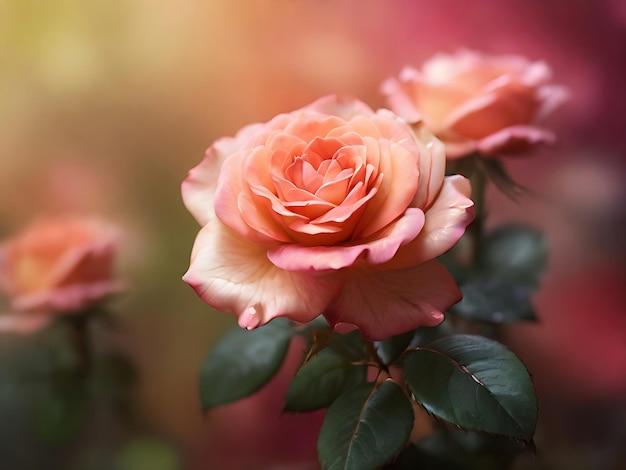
474	383
242	361
495	300
391	348
321	380
452	449
499	287
365	427
516	253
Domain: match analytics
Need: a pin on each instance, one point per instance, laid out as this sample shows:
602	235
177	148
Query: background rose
330	209
57	265
477	102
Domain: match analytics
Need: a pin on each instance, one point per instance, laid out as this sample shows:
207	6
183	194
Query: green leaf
427	334
391	348
365	427
349	345
515	252
474	383
320	381
242	362
495	300
499	176
318	340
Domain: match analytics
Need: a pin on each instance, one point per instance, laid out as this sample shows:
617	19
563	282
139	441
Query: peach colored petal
460	149
69	298
436	102
301	258
23	323
486	114
514	140
432	168
399	170
240	209
310	125
400	97
54	255
198	189
342	107
235	276
551	97
535	74
382	303
445	223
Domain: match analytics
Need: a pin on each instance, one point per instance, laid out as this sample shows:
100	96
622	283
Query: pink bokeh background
107	105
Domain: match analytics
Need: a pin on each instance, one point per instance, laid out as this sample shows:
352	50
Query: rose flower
476	102
56	266
332	209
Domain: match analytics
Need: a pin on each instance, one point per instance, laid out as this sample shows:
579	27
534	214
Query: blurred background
105	106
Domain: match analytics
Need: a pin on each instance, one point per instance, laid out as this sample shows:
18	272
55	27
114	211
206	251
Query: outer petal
445	224
432	167
459	148
23	323
515	139
400	97
378	251
69	298
340	106
385	303
485	114
551	98
198	189
233	275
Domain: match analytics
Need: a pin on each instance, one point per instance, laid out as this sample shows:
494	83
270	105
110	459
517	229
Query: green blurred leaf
474	383
60	410
148	453
452	449
242	361
515	252
365	427
499	176
495	300
318	383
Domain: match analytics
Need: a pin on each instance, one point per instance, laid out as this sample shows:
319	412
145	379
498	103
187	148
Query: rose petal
319	258
342	107
233	275
551	98
445	224
23	323
384	303
198	188
400	99
398	186
432	167
69	298
514	140
507	106
239	208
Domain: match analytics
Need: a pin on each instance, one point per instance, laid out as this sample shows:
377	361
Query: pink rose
332	209
475	102
61	265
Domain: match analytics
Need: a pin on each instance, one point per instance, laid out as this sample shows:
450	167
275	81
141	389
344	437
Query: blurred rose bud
476	102
56	266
